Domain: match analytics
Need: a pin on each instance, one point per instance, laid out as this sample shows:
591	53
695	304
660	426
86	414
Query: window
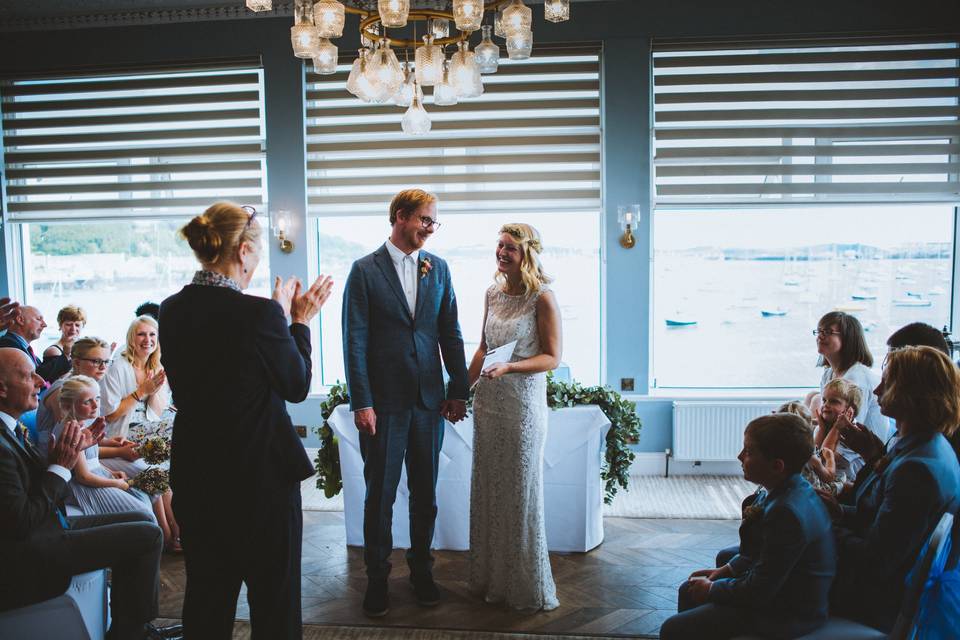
528	150
737	292
101	169
765	154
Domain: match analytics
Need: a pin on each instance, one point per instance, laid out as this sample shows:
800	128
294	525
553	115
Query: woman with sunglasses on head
843	351
233	362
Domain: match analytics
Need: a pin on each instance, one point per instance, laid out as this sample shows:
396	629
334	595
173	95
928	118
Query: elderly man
24	326
41	549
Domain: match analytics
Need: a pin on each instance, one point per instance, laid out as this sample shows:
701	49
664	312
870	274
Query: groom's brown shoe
426	590
376	603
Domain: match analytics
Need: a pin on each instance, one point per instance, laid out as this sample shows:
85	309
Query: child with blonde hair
842	400
820	470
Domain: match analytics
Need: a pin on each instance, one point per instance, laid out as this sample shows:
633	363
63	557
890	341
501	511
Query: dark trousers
726	555
414	437
713	621
130	544
224	550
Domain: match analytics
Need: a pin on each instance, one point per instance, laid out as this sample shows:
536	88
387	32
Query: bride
508	545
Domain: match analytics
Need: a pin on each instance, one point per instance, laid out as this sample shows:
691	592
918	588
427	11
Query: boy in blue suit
779	583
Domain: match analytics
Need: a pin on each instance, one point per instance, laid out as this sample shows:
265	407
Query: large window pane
467	243
737	293
108	269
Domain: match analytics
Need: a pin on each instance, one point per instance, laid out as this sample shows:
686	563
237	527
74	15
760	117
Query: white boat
863	295
774	313
911	302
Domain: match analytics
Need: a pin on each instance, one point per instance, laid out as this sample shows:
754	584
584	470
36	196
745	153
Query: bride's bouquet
152	481
152	440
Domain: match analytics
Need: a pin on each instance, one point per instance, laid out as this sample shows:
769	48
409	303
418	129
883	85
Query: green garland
624	431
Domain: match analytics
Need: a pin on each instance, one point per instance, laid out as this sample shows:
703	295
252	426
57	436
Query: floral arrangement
152	481
425	267
154	449
624	431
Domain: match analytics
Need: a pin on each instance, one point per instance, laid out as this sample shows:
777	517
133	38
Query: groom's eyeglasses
426	222
253	214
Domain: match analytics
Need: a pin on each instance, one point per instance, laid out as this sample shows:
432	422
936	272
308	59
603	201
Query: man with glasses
399	316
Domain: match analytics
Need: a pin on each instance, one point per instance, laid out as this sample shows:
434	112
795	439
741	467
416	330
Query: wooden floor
624	587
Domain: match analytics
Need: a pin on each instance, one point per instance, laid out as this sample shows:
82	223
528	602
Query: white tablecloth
573	491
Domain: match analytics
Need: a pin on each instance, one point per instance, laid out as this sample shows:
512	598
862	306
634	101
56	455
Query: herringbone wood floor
625	587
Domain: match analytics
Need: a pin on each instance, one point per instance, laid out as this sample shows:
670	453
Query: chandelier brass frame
368	19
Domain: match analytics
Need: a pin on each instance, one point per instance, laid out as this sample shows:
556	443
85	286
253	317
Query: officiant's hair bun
408	201
219	231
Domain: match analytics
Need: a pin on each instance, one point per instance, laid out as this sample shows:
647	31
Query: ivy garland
624	431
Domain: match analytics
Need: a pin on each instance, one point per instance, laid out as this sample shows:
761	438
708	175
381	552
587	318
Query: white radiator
711	431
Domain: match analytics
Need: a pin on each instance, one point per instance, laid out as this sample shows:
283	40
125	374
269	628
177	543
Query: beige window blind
530	143
149	143
807	122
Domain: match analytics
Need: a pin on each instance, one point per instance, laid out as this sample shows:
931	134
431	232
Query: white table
573	491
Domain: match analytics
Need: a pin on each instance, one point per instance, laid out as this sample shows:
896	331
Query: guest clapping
24	326
895	509
71	320
135	387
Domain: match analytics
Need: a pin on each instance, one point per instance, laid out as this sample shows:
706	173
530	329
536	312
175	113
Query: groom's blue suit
393	365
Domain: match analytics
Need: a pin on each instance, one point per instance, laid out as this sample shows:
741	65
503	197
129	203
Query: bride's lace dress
508	542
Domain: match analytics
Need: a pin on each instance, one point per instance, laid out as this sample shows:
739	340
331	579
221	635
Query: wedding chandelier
377	76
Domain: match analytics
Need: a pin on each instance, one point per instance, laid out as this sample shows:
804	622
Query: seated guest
151	309
841	401
820	470
94	489
40	549
778	584
135	387
71	320
894	509
25	326
917	334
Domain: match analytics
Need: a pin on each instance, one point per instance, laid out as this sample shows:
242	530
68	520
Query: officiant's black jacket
232	362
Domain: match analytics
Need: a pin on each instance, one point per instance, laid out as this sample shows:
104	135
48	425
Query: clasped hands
301	306
73	440
366	419
699	582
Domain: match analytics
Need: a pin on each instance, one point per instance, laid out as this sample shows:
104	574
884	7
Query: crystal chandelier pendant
464	73
468	14
367	42
444	93
438	28
325	58
328	17
487	53
357	82
517	18
498	24
429	62
556	10
393	13
404	96
383	73
260	5
416	121
305	40
520	46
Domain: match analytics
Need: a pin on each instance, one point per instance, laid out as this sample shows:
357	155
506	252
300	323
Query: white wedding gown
508	541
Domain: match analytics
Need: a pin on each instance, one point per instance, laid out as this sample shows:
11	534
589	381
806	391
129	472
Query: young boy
841	401
779	582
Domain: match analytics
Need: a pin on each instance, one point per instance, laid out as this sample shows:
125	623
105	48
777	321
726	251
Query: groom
398	308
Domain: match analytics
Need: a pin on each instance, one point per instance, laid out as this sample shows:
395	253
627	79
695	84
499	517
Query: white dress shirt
407	267
11	424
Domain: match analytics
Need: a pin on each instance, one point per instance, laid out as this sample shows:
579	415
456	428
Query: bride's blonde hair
531	271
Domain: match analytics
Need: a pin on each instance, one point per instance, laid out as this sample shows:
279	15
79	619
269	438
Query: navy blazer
50	369
392	360
786	580
881	535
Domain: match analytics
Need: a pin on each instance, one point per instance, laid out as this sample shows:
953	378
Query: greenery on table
624	431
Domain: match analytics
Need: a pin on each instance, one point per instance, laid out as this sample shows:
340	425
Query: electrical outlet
626	384
301	430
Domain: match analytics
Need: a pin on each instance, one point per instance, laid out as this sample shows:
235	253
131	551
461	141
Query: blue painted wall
623	27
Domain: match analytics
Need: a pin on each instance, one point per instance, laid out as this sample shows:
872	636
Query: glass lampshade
429	61
325	58
366	41
556	10
416	121
498	24
393	13
438	27
302	12
305	40
328	18
260	5
408	89
444	93
383	73
520	46
487	53
464	73
468	14
517	18
357	83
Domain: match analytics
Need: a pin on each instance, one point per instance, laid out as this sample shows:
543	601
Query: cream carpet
703	497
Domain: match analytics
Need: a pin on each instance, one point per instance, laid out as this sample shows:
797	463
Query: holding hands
301	305
453	410
73	440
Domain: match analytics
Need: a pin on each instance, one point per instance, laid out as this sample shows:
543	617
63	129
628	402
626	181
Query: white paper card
502	353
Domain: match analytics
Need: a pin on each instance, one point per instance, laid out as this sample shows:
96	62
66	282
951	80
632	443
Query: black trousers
223	550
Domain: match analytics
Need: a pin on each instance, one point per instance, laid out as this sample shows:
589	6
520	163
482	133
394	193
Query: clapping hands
73	440
302	306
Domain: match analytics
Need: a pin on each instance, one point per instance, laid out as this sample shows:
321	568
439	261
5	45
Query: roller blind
154	143
854	121
530	143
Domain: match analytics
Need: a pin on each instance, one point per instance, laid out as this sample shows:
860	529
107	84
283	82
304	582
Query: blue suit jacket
785	583
392	360
881	536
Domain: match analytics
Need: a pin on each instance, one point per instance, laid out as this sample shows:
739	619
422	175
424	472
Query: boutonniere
752	513
425	267
24	432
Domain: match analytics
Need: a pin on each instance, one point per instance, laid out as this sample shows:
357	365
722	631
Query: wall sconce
629	219
280	225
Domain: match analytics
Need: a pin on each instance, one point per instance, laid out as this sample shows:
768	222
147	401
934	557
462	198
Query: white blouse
120	382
